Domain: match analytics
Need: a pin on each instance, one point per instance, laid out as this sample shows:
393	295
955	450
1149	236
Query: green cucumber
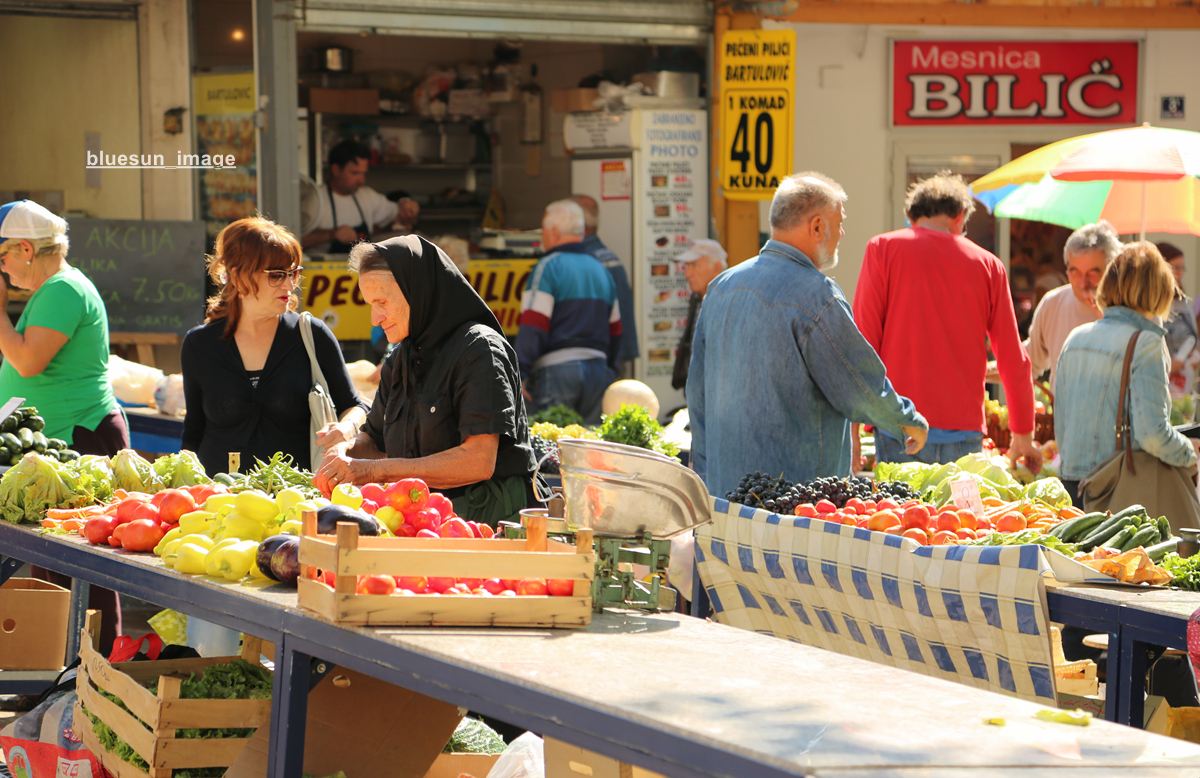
1112	526
40	444
1160	550
56	444
1132	510
1144	537
1119	539
224	478
1164	528
35	423
10	441
1072	529
25	436
10	423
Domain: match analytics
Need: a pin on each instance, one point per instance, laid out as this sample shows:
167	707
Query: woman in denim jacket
1135	292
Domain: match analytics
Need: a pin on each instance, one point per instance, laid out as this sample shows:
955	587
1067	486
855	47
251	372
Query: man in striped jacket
570	325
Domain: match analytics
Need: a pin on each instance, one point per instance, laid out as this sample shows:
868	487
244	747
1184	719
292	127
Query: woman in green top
57	355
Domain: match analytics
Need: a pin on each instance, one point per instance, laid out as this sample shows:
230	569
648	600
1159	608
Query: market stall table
627	687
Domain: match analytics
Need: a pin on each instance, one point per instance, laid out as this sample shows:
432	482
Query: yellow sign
329	291
758	111
224	93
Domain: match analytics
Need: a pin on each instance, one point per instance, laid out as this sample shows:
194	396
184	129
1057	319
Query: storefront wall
843	130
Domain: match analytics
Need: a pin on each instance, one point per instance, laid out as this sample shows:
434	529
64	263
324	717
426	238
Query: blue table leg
1131	702
76	617
295	675
8	568
1114	685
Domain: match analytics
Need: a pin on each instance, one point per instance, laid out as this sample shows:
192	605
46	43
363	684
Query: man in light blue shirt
779	369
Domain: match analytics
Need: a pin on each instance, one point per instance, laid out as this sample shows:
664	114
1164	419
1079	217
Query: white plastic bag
133	383
524	758
168	395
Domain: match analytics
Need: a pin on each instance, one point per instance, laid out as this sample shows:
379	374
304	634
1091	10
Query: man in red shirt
930	301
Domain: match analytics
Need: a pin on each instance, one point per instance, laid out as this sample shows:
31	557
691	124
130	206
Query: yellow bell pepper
348	495
256	505
243	528
390	518
235	562
288	498
167	538
200	539
218	501
195	522
189	558
216	554
291	527
255	573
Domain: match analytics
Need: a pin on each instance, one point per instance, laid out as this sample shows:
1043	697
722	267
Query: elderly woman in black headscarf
449	409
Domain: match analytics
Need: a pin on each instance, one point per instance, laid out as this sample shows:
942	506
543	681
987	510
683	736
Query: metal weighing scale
634	501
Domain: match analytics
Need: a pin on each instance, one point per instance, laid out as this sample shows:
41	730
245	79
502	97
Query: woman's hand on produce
336	432
1022	446
915	440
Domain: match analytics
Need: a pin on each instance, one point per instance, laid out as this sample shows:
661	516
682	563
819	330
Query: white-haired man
570	325
778	368
702	262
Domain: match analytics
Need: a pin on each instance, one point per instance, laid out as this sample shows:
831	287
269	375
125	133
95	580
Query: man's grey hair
1100	236
566	216
365	258
801	195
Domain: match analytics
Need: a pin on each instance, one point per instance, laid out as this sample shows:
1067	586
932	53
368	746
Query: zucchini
25	436
26	411
1131	511
67	455
56	444
40	443
1164	528
35	423
1072	529
1120	539
10	441
224	478
1160	550
10	423
5	459
1108	528
1144	537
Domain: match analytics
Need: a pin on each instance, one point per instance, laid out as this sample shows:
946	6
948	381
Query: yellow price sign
757	99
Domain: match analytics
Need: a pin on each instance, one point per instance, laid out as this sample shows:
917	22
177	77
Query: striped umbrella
1139	178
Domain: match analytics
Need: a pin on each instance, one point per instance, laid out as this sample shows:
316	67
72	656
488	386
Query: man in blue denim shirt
778	368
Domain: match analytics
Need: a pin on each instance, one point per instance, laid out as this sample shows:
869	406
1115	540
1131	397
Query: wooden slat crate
349	556
164	712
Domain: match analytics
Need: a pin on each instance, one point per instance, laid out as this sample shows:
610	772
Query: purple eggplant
285	560
329	517
265	550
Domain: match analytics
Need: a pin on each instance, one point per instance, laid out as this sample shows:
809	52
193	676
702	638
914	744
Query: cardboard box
33	624
1092	704
365	727
567	761
453	765
1157	715
353	101
572	100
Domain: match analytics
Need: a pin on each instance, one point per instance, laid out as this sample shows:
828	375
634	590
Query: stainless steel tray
626	491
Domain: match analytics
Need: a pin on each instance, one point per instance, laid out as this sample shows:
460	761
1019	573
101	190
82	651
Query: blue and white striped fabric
973	614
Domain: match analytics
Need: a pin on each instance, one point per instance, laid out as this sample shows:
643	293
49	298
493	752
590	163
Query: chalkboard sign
150	274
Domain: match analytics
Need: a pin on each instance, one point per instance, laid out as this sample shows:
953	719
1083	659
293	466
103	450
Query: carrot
75	513
992	502
1070	512
73	524
120	494
1001	509
49	523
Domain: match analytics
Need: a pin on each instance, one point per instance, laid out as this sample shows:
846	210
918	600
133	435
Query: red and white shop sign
1014	82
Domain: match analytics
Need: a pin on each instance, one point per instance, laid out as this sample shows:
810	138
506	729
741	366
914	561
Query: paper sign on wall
614	180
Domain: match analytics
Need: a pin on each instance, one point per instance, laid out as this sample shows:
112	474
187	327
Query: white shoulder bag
320	404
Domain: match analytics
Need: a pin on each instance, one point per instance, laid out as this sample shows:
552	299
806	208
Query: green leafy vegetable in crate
633	426
1022	538
472	736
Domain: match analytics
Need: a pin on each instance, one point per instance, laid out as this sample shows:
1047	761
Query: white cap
27	220
704	247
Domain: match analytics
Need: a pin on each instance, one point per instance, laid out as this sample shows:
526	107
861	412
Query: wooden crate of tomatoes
350	578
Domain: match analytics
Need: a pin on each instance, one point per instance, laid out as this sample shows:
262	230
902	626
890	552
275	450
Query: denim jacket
778	371
1088	382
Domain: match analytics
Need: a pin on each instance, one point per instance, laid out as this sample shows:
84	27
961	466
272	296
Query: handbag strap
1123	433
306	335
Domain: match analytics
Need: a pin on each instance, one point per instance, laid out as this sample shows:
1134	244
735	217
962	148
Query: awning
683	22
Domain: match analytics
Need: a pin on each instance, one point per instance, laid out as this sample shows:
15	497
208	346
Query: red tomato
475	529
413	583
376	584
407	531
157	498
328	577
472	583
174	504
126	509
917	534
854	504
494	585
825	506
441	503
560	587
374	493
440	585
425	533
487	531
509	584
870	506
369	506
945	538
114	539
407	495
147	511
888	503
807	510
534	587
455	528
98	530
426	518
915	516
141	535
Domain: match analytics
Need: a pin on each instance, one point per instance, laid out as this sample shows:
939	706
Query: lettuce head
37	483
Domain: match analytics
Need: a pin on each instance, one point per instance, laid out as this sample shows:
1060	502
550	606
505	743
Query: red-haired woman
246	373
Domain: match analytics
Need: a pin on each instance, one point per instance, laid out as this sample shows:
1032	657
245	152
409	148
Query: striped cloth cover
972	614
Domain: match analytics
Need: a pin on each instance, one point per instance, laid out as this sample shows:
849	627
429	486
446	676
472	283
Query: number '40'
764	152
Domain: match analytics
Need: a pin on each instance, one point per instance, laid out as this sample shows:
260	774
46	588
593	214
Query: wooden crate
349	556
164	713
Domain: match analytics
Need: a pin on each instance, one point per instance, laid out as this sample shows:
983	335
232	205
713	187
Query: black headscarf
440	298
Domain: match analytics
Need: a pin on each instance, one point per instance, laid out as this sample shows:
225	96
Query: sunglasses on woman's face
277	277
